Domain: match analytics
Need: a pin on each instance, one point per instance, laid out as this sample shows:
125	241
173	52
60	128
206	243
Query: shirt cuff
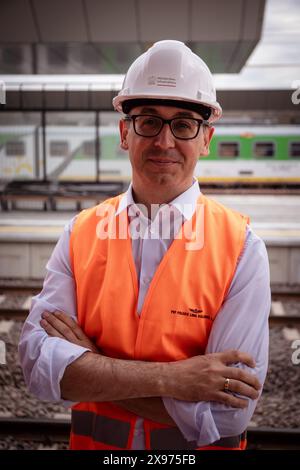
56	354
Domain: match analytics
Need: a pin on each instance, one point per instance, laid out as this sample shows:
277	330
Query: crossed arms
191	390
106	379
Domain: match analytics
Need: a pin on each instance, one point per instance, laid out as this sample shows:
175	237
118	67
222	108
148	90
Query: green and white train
237	154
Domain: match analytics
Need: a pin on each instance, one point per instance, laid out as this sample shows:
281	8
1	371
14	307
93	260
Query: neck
164	194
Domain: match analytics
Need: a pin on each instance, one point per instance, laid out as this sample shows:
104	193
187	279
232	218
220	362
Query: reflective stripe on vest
109	431
113	432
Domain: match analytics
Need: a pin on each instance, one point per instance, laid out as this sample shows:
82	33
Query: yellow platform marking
278	233
27	229
204	179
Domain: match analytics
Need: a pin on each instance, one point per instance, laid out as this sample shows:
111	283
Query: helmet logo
162	81
151	80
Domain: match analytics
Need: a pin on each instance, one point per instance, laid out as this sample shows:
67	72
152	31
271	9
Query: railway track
28	286
12	287
15	298
274	439
54	430
279	405
21	314
36	429
279	313
15	303
285	308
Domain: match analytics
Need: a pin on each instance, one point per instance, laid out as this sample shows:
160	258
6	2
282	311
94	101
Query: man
170	290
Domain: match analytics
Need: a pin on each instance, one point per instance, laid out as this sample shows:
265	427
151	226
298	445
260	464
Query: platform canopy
99	36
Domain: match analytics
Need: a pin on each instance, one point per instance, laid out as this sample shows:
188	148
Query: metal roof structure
96	36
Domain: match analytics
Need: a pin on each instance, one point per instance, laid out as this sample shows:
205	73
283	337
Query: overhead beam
111	34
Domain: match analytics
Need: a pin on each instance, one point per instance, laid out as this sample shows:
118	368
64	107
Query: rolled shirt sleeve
43	358
242	323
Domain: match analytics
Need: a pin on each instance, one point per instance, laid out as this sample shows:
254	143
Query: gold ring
226	385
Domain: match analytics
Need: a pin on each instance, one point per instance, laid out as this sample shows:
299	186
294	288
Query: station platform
28	238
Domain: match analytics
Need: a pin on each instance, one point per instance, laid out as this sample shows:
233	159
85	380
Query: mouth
162	162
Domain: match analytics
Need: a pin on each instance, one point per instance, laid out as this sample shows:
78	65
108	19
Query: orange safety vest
169	328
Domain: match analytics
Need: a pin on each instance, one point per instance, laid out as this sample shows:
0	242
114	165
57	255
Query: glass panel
264	149
228	149
20	146
68	58
77	58
66	137
295	149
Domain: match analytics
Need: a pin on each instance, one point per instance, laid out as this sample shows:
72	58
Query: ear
123	128
207	135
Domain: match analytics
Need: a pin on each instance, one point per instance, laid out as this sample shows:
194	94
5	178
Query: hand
202	378
61	325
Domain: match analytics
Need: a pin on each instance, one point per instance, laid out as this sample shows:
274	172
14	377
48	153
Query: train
238	153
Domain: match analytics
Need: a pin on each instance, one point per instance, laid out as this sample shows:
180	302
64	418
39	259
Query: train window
59	148
15	148
295	149
264	149
88	148
229	149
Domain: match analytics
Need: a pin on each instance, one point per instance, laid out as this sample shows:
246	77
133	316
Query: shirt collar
186	202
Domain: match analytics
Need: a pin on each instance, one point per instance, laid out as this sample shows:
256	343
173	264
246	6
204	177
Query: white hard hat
170	71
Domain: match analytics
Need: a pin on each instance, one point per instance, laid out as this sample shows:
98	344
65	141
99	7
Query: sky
275	62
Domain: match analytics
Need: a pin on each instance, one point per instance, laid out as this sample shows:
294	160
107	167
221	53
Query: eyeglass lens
150	126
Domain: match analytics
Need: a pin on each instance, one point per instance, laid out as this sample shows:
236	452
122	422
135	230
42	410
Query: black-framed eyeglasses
147	125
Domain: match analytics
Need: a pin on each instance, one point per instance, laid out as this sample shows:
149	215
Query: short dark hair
201	109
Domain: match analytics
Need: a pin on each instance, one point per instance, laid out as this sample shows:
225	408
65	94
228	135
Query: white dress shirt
242	322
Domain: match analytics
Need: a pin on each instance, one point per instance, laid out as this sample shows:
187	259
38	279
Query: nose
165	138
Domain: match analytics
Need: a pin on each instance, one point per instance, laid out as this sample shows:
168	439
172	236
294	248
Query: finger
75	334
49	329
243	389
69	329
71	323
76	329
61	327
233	356
231	400
242	376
